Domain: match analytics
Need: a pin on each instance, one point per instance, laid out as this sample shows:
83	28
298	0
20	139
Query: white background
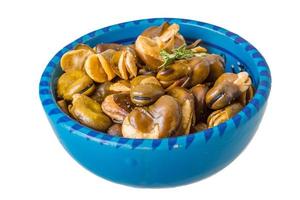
33	164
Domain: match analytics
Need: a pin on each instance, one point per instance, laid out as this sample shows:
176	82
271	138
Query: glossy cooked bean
73	82
161	119
227	88
145	89
117	106
89	112
199	91
74	59
186	101
219	116
115	130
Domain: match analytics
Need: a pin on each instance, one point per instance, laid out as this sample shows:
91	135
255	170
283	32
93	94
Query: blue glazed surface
171	161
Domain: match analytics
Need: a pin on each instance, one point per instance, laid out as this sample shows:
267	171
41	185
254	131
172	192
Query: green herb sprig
177	54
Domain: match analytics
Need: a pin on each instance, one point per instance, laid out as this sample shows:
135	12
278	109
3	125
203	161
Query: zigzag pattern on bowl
262	92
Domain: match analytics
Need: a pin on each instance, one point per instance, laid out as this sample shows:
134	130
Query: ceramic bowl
171	161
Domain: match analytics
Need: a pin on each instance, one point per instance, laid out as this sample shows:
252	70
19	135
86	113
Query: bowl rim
57	116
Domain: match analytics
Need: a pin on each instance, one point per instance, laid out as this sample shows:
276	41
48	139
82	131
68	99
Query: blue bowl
171	161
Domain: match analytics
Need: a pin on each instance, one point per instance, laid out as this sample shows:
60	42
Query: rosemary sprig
177	54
